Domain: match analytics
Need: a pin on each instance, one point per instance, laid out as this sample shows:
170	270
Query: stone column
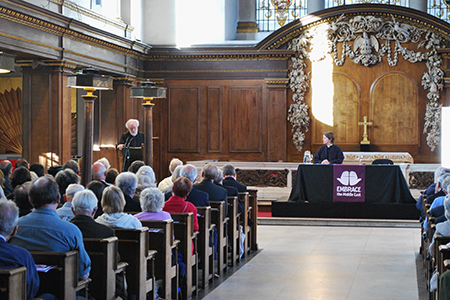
247	28
418	4
314	5
46	112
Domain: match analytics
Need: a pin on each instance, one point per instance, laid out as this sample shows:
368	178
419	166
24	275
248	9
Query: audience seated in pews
127	182
196	197
113	203
444	227
73	165
12	256
105	162
152	203
22	162
6	168
65	212
438	192
175	175
146	179
165	185
22	200
111	175
64	178
43	230
177	204
438	200
229	174
53	170
216	193
231	190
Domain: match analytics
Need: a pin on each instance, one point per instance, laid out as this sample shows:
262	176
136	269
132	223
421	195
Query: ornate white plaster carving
373	38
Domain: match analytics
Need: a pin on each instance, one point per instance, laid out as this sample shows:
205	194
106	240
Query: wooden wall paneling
214	119
394	111
277	134
158	163
46	115
342	107
246	119
184	119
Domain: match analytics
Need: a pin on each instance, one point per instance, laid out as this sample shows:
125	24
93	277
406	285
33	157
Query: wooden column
46	112
148	114
89	101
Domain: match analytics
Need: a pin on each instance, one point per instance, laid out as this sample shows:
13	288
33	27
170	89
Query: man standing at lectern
132	138
329	153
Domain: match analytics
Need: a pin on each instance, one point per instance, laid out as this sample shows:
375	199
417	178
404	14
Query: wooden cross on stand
365	141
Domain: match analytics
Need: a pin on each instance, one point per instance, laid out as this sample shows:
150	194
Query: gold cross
365	141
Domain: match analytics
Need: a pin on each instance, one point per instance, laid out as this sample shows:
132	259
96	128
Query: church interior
254	83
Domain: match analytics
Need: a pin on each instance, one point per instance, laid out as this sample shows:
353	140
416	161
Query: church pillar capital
247	26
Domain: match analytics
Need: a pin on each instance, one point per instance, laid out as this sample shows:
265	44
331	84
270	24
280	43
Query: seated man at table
12	256
329	153
43	230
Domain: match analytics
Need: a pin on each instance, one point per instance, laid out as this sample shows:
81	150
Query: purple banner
349	182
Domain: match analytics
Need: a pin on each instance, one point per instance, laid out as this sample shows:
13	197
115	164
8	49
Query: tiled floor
324	262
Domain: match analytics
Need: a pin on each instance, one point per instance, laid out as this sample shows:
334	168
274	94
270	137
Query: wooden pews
205	251
234	236
244	197
61	281
133	249
253	203
104	267
221	221
161	240
184	231
13	283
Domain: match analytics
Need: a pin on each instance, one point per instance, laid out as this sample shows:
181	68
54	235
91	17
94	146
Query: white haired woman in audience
443	227
152	203
175	175
113	203
146	179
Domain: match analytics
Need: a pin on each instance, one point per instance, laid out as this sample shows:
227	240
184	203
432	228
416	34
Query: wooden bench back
13	283
253	203
219	218
233	229
205	251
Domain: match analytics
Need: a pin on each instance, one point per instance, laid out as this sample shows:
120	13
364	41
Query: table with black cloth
387	195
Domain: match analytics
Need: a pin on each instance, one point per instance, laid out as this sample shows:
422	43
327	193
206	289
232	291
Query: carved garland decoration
372	39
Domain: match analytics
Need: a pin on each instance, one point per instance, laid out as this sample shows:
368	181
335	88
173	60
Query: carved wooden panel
275	178
420	180
337	109
245	107
214	100
394	103
184	119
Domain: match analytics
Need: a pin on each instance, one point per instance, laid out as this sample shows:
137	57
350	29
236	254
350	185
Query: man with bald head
132	138
99	172
43	230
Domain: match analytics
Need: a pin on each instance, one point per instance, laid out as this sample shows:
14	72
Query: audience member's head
84	203
53	170
9	216
175	162
113	200
189	171
6	167
2	193
21	196
127	182
447	206
146	177
111	175
209	172
72	164
97	188
33	176
72	190
19	176
152	200
2	179
219	177
182	187
38	169
66	177
98	171
228	170
135	165
22	162
176	173
105	162
440	183
44	191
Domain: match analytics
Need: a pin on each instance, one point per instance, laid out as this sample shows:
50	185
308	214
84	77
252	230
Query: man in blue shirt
12	256
43	230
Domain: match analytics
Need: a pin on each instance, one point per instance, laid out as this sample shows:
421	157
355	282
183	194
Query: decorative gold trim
220	57
213	71
247	27
29	41
276	81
